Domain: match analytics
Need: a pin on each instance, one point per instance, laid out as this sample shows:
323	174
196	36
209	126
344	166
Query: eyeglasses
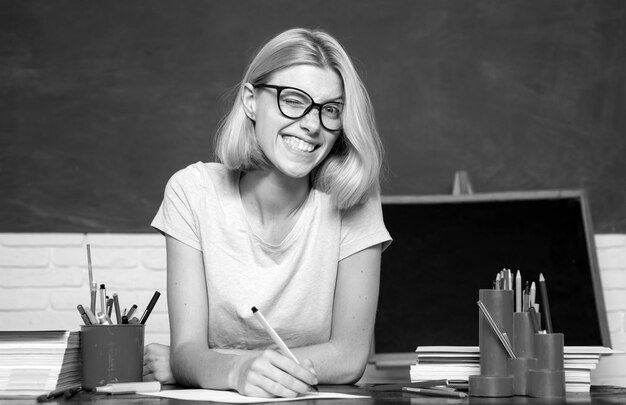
294	103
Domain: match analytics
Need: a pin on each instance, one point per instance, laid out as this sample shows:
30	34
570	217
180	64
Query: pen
129	388
103	319
279	342
544	303
431	392
94	292
151	305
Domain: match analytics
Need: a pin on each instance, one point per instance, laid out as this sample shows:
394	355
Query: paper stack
459	362
33	363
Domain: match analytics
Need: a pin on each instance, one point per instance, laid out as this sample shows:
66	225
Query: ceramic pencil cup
494	379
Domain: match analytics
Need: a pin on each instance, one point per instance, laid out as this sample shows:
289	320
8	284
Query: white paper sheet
236	398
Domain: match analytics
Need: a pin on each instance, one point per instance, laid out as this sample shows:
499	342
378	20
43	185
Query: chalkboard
101	101
448	248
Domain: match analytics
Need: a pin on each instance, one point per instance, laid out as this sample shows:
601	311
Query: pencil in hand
277	340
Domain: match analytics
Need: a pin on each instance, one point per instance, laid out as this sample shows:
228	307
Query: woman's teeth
298	144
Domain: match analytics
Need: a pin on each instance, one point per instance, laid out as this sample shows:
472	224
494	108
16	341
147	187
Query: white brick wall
44	276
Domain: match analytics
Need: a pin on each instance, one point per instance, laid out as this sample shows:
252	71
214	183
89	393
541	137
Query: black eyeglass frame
279	89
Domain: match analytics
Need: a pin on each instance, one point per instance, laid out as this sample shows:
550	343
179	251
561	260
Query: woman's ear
249	101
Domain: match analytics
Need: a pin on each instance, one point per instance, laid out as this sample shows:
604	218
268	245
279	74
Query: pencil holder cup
548	379
523	335
519	369
494	379
111	354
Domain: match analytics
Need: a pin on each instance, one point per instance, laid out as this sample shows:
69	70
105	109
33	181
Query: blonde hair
351	170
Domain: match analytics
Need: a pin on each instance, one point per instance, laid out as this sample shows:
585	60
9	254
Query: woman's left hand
156	364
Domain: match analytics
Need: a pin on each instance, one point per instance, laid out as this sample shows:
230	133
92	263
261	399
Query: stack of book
33	363
459	362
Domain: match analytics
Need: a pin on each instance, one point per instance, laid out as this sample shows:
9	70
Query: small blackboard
447	248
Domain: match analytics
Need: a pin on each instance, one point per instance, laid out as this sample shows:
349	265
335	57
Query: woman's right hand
270	374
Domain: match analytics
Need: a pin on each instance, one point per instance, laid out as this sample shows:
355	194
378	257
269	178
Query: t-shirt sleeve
175	216
362	226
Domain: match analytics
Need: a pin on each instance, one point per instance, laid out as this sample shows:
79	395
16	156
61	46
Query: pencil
518	292
93	286
268	328
435	392
279	342
544	303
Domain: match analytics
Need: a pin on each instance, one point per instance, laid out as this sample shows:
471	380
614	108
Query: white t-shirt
292	283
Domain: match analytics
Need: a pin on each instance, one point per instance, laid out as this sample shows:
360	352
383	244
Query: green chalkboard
101	101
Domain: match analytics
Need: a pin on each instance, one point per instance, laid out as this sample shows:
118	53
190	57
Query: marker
131	311
544	303
277	340
129	388
151	305
91	316
83	314
116	303
533	294
109	306
103	299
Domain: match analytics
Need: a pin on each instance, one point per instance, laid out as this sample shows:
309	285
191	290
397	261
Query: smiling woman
300	134
289	221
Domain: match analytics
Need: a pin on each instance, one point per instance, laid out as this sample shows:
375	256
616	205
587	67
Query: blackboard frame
400	217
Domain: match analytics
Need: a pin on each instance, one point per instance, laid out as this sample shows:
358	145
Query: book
34	363
459	362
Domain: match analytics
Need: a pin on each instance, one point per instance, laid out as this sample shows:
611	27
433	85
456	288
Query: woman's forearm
336	362
196	366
